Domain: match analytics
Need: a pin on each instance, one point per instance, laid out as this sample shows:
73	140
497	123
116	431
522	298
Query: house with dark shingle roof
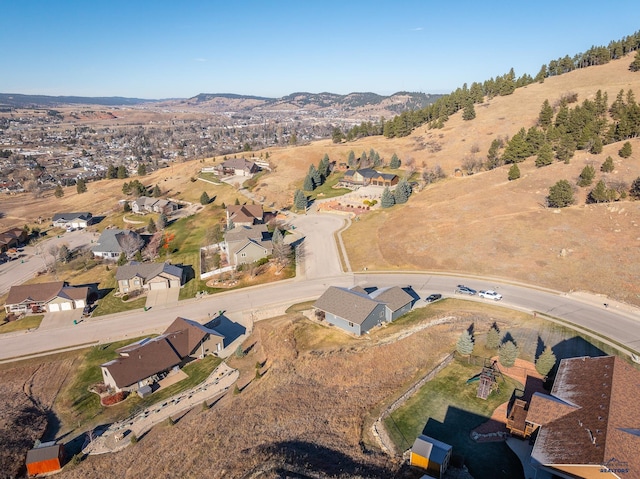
12	238
112	243
357	311
237	167
366	177
589	426
144	362
51	297
138	276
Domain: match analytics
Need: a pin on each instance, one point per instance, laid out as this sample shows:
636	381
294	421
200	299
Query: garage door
54	308
80	303
66	306
174	283
158	285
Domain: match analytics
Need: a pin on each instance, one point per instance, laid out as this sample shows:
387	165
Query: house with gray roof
113	242
72	220
146	204
367	176
147	361
246	244
357	311
237	167
145	276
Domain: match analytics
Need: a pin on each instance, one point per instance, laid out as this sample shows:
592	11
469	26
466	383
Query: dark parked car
465	290
433	297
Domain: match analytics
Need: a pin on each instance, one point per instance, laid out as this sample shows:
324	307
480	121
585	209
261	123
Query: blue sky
172	49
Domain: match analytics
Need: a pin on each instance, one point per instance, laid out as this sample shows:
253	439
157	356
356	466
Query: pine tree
300	200
402	191
394	164
517	148
121	172
607	166
601	194
586	176
635	188
514	172
308	184
351	159
162	222
545	155
596	146
81	186
204	198
493	337
635	64
237	202
545	362
151	227
546	115
465	344
508	354
122	259
387	200
59	192
560	195
142	169
493	155
156	192
469	112
626	150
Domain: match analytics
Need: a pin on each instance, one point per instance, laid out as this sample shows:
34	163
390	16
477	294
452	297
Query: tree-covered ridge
438	113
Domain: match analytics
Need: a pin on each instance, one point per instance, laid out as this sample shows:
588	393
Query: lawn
327	190
77	406
111	304
451	410
28	322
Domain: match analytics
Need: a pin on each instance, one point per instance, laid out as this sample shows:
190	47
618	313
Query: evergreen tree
546	115
204	198
607	166
299	200
237	202
514	172
493	155
315	175
508	354
625	151
81	186
142	169
465	344
151	227
635	64
112	172
122	260
586	176
156	192
402	191
351	159
324	167
596	146
126	188
58	192
387	199
635	188
601	194
126	207
517	148
545	155
394	164
546	361
308	184
122	172
493	337
162	221
469	112
560	195
566	148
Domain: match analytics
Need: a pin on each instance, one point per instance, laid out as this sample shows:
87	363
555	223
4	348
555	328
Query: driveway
157	298
61	319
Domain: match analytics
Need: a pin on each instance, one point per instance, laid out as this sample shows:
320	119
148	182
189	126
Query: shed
45	459
430	454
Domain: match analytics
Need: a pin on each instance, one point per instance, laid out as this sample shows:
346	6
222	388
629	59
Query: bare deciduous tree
130	242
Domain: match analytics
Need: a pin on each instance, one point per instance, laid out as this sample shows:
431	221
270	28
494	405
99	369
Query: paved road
620	324
36	258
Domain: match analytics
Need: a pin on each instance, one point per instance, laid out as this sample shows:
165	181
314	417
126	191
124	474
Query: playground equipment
487	379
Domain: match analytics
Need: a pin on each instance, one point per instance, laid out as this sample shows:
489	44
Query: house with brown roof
147	361
237	167
12	238
137	276
357	311
245	215
367	176
589	426
45	297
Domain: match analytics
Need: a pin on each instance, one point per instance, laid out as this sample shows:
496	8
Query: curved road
321	269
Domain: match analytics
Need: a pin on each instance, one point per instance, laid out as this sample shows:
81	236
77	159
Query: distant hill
17	100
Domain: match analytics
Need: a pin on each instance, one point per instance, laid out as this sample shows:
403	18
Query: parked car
462	289
490	294
433	297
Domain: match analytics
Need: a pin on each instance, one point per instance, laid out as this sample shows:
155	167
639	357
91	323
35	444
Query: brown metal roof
604	392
